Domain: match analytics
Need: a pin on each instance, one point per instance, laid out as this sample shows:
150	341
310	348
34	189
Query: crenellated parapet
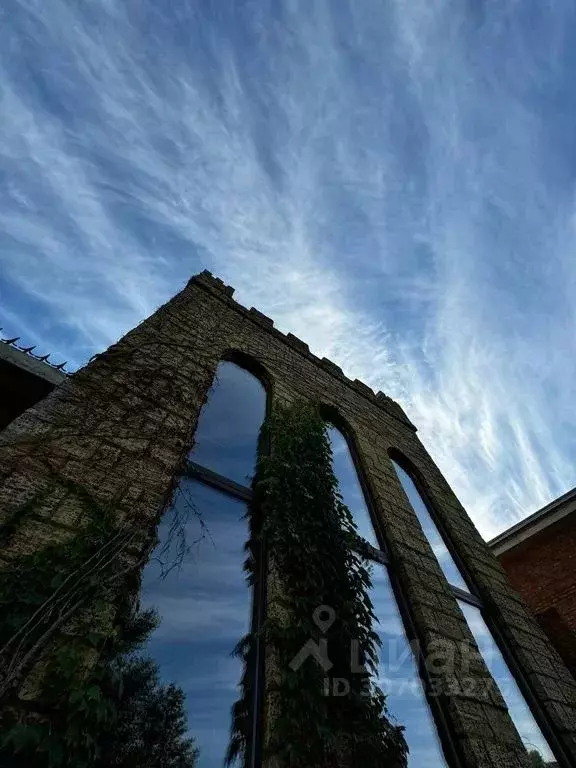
225	292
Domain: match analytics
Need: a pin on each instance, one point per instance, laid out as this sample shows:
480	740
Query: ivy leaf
55	754
93	692
94	638
76	696
23	736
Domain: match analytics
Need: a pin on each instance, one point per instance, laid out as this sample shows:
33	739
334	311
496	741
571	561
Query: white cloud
383	194
201	617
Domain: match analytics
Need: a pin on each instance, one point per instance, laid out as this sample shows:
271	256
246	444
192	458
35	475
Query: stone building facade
123	425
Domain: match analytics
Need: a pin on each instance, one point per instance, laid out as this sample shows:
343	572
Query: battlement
216	286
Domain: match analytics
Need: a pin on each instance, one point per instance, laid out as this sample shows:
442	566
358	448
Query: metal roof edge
548	515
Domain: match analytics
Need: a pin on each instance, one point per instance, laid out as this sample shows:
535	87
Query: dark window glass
195	576
399	678
195	580
520	713
227	434
350	487
431	532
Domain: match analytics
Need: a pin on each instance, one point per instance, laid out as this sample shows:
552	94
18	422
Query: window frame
216	480
225	485
471	596
381	556
499	638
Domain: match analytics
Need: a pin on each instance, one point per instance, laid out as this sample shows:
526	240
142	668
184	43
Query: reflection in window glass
399	679
350	488
397	672
204	606
226	439
431	532
521	716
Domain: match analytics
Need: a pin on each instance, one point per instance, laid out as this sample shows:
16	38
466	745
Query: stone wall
122	425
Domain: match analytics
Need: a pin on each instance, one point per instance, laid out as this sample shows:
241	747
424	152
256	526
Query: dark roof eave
29	363
543	518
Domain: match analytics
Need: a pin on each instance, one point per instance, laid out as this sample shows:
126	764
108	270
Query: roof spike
11	341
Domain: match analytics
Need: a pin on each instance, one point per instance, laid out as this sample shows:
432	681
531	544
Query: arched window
195	577
398	670
226	437
445	559
471	607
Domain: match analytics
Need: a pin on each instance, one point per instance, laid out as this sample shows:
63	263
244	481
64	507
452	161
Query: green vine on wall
69	628
41	594
309	533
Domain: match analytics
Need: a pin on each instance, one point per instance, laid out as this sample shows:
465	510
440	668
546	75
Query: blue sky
393	182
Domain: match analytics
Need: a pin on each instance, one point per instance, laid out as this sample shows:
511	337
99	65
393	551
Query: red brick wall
543	570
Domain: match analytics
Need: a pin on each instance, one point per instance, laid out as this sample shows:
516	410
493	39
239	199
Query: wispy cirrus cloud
393	183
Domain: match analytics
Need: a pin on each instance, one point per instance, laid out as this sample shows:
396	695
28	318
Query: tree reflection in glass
196	583
195	577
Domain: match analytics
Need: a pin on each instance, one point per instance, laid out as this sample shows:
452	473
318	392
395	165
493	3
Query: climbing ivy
69	626
298	514
42	594
59	598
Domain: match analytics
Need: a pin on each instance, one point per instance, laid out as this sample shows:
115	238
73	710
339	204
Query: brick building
166	421
539	557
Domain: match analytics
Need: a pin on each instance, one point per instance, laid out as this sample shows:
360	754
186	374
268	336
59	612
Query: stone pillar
111	437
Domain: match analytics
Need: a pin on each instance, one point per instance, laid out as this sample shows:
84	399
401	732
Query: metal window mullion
365	549
216	480
467	597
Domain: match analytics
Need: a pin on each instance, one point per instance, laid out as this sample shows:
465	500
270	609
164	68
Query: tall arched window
195	577
471	607
398	670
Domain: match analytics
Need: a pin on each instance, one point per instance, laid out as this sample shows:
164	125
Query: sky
392	182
